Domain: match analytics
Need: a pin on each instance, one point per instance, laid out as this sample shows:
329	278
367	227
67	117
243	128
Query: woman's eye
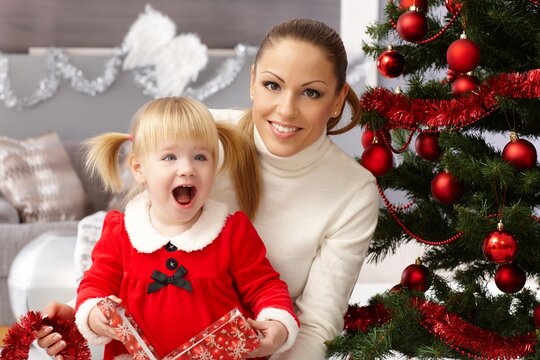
200	157
271	85
169	157
312	93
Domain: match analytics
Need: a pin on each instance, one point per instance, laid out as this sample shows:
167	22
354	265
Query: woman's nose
287	107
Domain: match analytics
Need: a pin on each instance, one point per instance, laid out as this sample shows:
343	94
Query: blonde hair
327	39
181	119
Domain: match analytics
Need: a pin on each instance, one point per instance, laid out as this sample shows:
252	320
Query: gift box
229	338
127	330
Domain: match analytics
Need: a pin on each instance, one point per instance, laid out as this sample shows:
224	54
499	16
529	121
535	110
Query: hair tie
130	137
21	335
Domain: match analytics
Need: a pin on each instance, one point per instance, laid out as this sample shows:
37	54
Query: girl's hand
98	323
274	336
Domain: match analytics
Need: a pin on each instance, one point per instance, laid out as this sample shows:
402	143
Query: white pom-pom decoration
179	63
147	36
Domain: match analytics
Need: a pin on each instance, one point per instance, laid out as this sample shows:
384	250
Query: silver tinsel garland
58	67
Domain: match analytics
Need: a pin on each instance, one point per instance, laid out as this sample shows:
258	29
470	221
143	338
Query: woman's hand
46	337
274	336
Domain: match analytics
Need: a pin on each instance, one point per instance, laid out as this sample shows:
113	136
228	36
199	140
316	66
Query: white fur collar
146	239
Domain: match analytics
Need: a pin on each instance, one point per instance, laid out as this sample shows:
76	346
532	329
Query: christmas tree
470	71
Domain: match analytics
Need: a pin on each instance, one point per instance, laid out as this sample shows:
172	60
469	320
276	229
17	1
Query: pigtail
242	162
102	158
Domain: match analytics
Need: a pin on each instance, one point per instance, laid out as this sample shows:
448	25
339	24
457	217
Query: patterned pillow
37	177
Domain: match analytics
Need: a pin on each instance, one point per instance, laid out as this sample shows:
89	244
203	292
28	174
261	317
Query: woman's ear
342	97
136	169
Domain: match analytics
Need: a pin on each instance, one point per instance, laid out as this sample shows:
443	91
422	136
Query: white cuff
286	319
81	320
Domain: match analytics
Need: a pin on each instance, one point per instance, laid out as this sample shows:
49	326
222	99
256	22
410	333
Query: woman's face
293	87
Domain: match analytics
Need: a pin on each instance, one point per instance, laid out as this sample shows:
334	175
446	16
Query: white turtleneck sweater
317	215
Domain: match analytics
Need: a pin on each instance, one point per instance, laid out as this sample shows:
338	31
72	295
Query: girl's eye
169	157
271	85
311	93
200	157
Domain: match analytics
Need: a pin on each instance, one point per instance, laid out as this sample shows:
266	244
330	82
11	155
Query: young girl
171	227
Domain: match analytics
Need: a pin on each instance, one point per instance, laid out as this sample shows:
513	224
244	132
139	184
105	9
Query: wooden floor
3	331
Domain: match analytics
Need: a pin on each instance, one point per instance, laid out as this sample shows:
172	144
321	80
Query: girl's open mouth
184	194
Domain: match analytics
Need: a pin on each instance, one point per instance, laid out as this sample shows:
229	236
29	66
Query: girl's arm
258	284
102	279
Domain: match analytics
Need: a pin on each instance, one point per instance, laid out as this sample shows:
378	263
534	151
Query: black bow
175	279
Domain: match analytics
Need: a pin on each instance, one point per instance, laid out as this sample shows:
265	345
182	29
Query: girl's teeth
283	129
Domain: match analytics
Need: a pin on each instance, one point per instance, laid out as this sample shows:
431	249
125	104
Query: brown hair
327	39
181	119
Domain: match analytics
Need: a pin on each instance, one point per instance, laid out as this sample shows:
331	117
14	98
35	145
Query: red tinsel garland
469	339
363	318
21	335
462	336
402	112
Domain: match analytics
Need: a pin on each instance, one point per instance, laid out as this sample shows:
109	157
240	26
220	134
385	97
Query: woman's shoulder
343	163
227	115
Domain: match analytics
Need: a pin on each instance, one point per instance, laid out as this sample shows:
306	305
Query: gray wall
77	116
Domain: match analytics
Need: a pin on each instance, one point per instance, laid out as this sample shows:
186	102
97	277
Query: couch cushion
8	212
37	177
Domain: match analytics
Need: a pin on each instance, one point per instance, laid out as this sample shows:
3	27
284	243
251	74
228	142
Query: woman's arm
332	276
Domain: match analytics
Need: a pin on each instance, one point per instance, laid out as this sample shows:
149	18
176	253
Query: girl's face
293	88
178	176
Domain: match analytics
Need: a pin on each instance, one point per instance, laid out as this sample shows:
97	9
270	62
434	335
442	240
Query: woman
318	208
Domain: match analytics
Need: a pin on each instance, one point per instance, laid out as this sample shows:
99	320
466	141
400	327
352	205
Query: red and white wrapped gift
229	338
127	330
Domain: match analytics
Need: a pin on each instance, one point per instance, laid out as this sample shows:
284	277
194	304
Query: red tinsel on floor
20	336
402	112
462	336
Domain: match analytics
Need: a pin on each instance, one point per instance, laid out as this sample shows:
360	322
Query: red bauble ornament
463	55
427	145
415	277
378	159
500	247
446	188
451	75
412	26
420	4
452	6
536	316
509	278
368	135
464	84
520	153
391	63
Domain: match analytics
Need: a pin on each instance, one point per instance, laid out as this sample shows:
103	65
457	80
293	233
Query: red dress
230	270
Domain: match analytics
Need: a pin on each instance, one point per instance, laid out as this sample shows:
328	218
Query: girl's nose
185	168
